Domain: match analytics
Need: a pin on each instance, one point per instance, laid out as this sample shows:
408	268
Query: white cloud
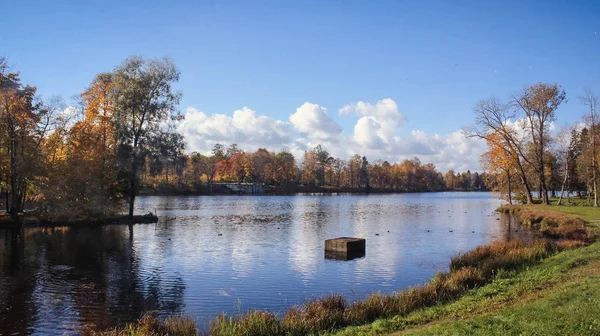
367	133
244	127
384	113
313	122
375	135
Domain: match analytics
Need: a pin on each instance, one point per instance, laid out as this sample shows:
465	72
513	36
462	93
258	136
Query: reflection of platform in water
345	248
343	255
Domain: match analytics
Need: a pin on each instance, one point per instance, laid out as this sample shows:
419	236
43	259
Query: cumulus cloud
375	134
244	127
384	115
456	151
313	122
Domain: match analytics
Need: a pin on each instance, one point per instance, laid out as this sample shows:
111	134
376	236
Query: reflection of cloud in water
244	233
382	252
222	292
309	216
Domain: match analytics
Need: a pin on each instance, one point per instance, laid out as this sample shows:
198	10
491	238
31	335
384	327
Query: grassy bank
571	222
558	296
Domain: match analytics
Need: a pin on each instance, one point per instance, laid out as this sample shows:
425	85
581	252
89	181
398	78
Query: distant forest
123	142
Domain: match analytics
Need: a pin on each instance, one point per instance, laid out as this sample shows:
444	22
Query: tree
284	168
145	98
354	165
323	160
363	175
539	103
21	132
493	123
165	151
310	168
591	119
258	162
500	160
450	179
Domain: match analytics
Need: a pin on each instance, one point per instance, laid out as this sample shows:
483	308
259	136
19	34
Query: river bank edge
469	273
31	220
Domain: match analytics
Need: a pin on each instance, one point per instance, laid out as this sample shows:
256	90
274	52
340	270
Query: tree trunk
593	136
544	190
525	182
509	187
132	186
167	173
14	203
562	188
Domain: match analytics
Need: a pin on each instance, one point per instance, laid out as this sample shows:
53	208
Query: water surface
231	253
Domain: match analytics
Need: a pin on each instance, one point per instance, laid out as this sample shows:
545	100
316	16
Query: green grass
568	311
558	296
577	206
587	213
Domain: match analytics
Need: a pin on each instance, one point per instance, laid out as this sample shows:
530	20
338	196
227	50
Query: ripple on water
232	253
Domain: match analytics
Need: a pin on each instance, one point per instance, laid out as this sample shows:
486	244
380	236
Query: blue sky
433	59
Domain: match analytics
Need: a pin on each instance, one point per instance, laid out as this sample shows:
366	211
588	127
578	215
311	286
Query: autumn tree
310	168
323	160
145	99
363	173
500	160
21	133
284	168
495	123
354	165
258	162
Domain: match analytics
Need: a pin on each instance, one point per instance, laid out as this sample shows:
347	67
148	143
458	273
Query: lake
209	254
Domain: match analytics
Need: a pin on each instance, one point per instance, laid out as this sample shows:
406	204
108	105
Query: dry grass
253	323
552	224
150	325
565	244
503	255
321	314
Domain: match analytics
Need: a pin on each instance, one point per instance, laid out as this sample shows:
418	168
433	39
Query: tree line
526	152
318	171
122	140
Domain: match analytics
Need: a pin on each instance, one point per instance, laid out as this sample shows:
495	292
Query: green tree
145	99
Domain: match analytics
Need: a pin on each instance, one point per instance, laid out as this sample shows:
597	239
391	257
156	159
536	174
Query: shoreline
111	220
279	191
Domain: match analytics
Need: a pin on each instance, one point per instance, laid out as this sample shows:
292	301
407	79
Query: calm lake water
232	253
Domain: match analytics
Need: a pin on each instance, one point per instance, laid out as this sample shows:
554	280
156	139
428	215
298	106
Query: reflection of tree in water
512	229
71	277
16	284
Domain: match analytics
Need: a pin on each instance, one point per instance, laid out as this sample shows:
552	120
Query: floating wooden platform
345	248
